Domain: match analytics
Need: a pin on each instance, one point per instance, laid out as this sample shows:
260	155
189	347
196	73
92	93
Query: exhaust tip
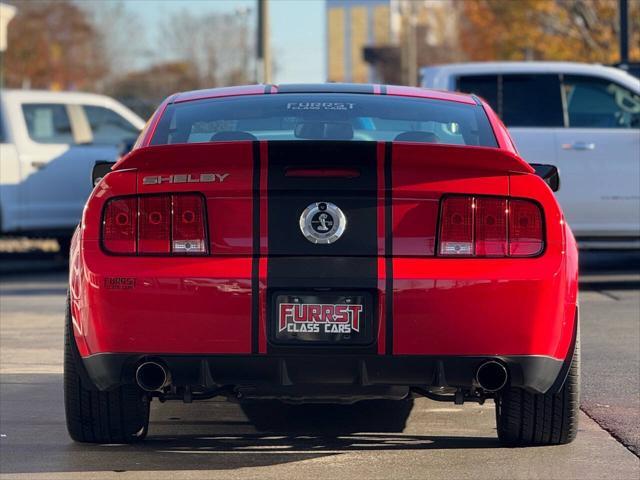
152	376
492	376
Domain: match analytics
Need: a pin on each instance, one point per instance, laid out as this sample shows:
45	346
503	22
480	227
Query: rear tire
117	416
525	418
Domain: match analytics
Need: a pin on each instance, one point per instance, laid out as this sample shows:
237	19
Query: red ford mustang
323	243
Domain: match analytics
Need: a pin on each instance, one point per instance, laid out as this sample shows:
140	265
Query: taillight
525	229
188	234
456	234
490	227
155	225
119	225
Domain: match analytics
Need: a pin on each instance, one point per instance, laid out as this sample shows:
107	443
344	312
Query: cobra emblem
322	223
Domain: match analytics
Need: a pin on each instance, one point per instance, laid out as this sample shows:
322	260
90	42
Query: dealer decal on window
340	106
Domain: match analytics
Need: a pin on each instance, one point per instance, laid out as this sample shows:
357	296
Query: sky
297	30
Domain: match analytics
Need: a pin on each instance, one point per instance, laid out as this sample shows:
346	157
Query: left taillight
166	224
478	226
119	225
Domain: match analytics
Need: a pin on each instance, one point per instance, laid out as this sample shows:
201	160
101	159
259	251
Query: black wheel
525	418
116	416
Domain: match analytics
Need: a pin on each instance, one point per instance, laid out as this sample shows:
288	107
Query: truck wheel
116	416
525	418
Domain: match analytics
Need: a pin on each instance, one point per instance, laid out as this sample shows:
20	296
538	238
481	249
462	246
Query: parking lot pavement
413	439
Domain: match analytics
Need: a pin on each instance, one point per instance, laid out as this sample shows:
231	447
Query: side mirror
100	169
548	173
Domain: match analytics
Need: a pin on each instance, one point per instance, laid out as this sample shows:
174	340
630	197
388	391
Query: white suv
49	142
585	119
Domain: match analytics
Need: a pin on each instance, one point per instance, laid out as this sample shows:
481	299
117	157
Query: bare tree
117	25
216	45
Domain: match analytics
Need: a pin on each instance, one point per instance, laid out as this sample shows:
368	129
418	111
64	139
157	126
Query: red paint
144	139
503	137
441	306
432	94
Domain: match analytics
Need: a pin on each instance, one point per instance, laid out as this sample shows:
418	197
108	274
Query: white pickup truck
582	118
49	143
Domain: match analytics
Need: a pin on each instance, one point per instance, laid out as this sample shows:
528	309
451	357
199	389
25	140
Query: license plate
323	318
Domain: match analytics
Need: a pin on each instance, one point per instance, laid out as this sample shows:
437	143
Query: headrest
231	135
417	136
324	131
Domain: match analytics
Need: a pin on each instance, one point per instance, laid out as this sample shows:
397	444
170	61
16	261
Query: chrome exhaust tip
152	376
492	376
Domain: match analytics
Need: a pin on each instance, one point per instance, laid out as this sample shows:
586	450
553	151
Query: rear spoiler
486	159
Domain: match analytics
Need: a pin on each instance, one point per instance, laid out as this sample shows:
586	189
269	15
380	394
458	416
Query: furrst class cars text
323	243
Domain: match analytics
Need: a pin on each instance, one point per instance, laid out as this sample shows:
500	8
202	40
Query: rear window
108	127
520	100
324	116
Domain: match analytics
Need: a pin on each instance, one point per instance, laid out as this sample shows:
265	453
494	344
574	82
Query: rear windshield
322	116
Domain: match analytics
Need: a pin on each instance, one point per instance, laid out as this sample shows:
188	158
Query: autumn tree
577	30
53	45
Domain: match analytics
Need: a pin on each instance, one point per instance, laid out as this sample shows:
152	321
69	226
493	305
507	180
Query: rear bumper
297	372
219	306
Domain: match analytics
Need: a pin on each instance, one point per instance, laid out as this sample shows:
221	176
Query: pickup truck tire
525	418
117	416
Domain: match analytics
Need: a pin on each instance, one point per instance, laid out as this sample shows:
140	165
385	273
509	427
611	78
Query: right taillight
165	224
525	229
490	227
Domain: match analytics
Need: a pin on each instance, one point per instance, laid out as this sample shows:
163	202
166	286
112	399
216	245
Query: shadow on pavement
372	416
204	435
32	262
34	291
607	262
609	270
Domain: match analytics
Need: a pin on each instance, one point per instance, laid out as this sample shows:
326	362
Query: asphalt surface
414	439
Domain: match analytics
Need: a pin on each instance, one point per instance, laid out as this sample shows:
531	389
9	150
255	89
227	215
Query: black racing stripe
388	248
290	196
350	263
320	272
383	89
255	260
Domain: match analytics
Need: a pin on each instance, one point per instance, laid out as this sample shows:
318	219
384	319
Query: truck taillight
166	224
490	227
